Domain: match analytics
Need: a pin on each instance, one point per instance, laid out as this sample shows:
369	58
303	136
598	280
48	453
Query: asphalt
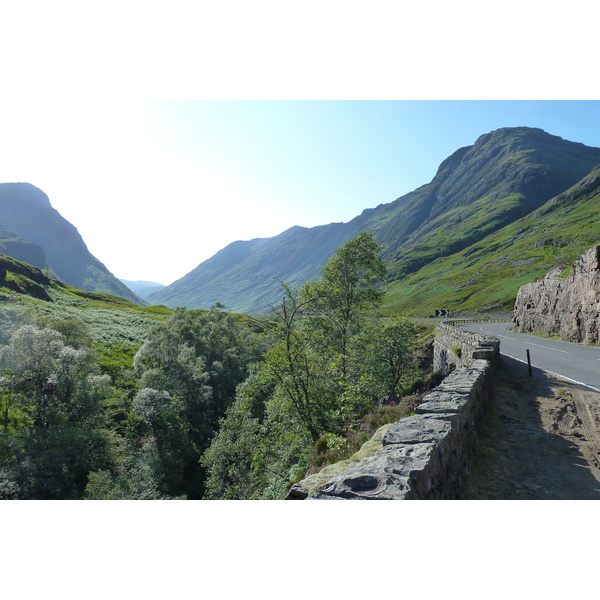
574	362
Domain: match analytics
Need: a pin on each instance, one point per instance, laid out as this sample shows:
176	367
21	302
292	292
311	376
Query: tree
311	362
347	289
63	437
191	365
386	361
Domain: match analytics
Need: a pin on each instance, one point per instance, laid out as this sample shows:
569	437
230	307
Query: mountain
26	211
142	288
477	191
12	245
488	274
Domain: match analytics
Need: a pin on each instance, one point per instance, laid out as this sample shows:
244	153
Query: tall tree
349	286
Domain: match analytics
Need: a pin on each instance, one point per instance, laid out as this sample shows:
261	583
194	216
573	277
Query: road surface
575	362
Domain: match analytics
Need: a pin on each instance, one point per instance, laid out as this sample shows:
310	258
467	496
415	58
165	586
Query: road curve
575	362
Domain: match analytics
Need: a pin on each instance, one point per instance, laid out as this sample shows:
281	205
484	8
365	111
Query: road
575	362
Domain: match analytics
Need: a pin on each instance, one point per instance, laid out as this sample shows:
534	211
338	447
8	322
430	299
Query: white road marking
556	374
548	348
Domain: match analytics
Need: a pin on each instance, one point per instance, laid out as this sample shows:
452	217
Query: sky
157	187
164	131
165	134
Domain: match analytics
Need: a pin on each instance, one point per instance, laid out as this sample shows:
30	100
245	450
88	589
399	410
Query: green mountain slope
26	211
487	275
478	190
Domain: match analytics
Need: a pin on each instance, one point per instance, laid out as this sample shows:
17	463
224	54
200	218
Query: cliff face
565	306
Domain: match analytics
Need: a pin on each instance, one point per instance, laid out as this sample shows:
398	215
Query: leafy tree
229	458
63	438
347	289
188	370
75	332
311	364
383	362
295	366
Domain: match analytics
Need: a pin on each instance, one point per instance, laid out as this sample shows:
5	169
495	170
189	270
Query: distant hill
26	211
478	190
143	288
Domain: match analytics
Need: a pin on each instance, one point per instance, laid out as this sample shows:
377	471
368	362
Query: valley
277	356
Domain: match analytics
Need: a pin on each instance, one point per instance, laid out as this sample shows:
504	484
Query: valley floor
539	439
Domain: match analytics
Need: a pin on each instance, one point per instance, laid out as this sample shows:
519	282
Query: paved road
572	361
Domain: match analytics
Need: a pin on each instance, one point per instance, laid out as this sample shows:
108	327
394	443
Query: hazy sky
156	187
300	121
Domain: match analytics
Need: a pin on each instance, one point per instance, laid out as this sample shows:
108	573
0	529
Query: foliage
188	370
103	400
332	448
331	362
62	436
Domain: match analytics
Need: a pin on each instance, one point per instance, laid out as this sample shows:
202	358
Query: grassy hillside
488	274
25	291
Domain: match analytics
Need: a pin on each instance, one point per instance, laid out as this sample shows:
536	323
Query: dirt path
539	439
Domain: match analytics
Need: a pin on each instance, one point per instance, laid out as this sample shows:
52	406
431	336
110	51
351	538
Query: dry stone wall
565	306
427	455
455	347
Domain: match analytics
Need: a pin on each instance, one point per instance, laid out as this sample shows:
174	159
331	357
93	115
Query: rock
397	472
297	492
565	306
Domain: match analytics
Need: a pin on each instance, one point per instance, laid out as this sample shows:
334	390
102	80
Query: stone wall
565	306
455	347
427	455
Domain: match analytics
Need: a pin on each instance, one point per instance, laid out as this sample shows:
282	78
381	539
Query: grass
488	274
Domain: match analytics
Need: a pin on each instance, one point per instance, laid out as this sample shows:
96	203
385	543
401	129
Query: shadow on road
517	457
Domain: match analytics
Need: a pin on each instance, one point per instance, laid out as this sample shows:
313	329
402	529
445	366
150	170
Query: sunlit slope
28	291
488	274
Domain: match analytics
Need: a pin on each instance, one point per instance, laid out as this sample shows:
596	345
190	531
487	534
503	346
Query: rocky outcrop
567	306
23	278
